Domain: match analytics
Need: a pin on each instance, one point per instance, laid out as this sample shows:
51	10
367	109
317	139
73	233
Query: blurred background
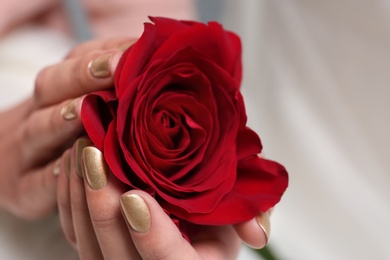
317	90
316	87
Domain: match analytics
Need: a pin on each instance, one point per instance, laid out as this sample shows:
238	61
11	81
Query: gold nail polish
136	212
68	111
264	223
80	144
95	168
67	165
100	66
57	167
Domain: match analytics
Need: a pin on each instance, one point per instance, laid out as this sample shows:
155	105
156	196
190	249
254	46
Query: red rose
175	125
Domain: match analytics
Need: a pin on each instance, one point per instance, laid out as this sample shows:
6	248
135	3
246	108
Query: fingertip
136	212
153	232
71	109
255	232
95	167
104	65
264	222
114	61
99	66
127	44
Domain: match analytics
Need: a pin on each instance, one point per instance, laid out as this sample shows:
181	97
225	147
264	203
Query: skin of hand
35	133
103	220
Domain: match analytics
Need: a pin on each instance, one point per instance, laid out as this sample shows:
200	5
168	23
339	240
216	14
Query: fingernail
80	144
95	168
68	111
67	165
136	212
100	66
57	167
263	221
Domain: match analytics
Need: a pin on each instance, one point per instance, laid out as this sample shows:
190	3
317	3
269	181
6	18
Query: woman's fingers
98	229
63	198
103	195
76	76
12	117
154	234
255	232
88	67
150	229
87	244
49	131
157	237
35	192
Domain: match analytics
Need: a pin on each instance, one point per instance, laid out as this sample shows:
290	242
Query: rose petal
96	115
223	46
259	186
248	143
205	201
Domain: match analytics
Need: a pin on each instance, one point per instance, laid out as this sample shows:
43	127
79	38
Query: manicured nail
80	144
68	111
100	66
95	168
263	221
57	167
67	165
136	212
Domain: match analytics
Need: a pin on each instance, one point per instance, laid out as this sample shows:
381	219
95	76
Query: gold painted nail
136	212
100	66
80	144
57	167
264	222
68	111
95	168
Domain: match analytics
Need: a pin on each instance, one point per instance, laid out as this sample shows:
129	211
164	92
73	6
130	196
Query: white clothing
317	90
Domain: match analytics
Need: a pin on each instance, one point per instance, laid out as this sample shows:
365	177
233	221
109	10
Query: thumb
154	234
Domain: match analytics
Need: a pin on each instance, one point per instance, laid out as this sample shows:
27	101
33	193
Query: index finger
76	76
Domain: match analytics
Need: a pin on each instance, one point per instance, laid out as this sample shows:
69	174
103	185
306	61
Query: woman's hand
34	134
102	220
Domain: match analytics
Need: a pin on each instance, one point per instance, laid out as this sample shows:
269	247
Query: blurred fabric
317	90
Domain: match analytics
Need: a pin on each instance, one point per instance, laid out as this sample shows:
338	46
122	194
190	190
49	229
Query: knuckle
82	79
105	221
